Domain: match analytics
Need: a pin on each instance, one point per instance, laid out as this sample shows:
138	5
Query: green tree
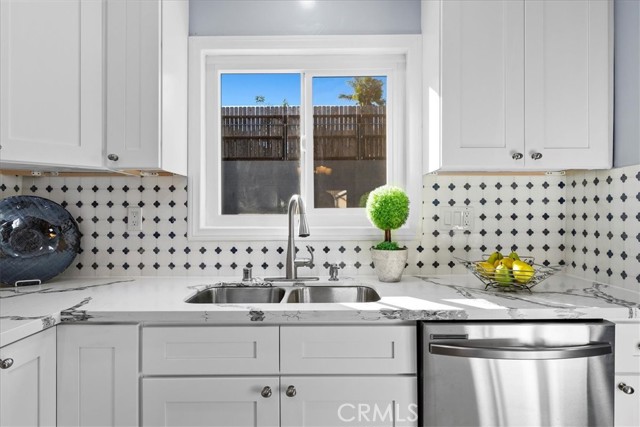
366	91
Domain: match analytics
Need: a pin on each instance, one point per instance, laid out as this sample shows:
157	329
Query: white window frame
398	57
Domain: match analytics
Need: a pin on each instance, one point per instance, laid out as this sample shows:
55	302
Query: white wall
303	17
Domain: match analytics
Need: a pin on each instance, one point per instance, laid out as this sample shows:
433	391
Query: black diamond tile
33	188
451	249
218	266
357	249
264	250
435	202
498	201
249	250
467	186
172	250
451	264
187	265
498	216
420	264
435	264
326	249
498	185
451	187
482	185
187	250
357	265
126	266
482	217
264	265
171	265
498	232
280	250
435	186
451	202
483	201
514	185
623	178
435	249
79	188
420	249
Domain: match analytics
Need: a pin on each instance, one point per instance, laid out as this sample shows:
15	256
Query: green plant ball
388	207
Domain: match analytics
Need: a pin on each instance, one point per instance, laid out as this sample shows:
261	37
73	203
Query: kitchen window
277	116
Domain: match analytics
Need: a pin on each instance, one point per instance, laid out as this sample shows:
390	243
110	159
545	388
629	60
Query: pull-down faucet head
303	226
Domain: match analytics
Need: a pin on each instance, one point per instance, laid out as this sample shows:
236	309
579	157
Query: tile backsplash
587	220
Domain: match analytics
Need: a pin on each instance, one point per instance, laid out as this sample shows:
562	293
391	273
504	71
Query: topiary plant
387	209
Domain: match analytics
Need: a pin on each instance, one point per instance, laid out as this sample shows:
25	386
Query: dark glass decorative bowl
39	239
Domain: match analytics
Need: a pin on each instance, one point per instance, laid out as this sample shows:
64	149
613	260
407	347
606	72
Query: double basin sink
275	295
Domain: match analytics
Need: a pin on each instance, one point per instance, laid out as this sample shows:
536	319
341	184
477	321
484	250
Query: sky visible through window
274	89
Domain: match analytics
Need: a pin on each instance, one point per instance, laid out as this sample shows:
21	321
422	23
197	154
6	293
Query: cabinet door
51	82
349	401
28	387
482	84
147	84
568	84
98	375
627	406
223	402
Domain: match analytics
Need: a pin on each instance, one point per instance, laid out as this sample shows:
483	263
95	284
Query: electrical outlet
456	218
134	219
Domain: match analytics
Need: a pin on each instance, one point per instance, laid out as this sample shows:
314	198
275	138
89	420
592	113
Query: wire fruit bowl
507	279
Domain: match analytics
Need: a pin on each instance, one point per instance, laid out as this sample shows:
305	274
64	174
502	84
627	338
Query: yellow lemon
507	262
522	271
485	269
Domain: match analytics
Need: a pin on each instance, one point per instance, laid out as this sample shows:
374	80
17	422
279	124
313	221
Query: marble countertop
27	310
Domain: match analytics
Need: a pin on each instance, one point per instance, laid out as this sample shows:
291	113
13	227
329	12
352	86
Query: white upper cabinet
147	42
518	84
51	94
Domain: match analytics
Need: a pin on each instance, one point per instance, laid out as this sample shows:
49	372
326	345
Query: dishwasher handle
481	349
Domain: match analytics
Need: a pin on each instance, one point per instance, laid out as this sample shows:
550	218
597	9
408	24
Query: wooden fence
273	133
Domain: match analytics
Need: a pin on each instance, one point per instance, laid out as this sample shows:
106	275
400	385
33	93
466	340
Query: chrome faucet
292	263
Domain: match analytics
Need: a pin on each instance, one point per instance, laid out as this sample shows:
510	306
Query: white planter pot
389	265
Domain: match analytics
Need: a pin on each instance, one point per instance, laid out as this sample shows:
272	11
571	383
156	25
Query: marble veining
157	300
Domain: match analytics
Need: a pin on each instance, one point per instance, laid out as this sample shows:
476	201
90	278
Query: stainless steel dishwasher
517	374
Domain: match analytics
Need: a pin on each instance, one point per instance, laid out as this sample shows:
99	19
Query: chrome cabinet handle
517	156
113	157
536	156
266	392
627	389
6	363
291	391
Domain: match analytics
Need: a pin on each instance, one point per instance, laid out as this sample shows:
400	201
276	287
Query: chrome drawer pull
6	363
266	392
627	389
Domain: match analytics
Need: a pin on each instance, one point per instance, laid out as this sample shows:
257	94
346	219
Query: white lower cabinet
215	402
627	402
349	401
28	381
182	385
98	369
627	383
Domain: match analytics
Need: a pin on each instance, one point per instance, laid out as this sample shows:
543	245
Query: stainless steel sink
333	294
238	295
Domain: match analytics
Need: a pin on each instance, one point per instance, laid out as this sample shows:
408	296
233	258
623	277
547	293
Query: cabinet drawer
628	347
209	350
348	349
